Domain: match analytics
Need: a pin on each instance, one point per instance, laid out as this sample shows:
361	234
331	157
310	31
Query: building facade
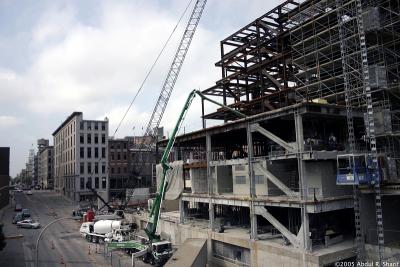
4	176
81	157
120	166
46	168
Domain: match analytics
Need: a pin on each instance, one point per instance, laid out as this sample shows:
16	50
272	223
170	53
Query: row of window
96	182
96	168
89	152
88	125
118	157
118	146
89	138
241	179
118	170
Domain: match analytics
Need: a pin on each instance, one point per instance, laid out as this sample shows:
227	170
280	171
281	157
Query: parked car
28	223
29	193
26	213
18	207
19	217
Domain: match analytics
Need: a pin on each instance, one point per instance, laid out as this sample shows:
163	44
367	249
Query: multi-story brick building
46	167
81	157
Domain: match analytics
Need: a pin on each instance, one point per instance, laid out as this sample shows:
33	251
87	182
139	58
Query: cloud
91	56
9	121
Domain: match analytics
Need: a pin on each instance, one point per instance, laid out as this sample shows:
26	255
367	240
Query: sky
57	57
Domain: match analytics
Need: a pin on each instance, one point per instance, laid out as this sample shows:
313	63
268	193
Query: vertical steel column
210	180
303	190
253	215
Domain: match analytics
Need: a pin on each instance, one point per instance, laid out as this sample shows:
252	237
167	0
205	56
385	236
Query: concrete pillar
210	181
181	211
306	242
253	215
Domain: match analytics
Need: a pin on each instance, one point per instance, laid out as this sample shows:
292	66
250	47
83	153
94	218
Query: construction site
304	167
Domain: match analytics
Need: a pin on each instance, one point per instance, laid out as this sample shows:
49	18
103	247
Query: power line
152	67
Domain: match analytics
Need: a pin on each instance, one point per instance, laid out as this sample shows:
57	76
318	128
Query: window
124	156
103	168
125	170
125	145
240	179
96	138
103	138
96	182
112	169
103	152
259	179
89	138
82	139
81	125
82	168
118	156
112	156
89	152
82	183
119	170
103	182
96	126
89	182
89	167
239	168
96	167
82	152
103	126
89	125
96	152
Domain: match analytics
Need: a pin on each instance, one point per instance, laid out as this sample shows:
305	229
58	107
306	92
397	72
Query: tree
2	238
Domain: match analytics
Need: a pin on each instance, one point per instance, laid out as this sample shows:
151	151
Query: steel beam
272	137
281	228
276	181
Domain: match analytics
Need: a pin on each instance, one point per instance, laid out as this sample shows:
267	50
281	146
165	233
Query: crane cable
152	67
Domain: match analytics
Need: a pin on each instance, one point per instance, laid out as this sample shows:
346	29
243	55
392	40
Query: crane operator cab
355	169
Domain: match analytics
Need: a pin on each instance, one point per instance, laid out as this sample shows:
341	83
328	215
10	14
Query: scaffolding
337	52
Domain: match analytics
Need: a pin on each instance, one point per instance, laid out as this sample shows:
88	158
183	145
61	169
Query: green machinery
155	209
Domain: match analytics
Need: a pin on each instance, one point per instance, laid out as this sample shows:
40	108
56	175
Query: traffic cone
52	244
89	250
96	249
62	260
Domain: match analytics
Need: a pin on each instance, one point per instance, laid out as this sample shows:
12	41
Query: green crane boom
156	207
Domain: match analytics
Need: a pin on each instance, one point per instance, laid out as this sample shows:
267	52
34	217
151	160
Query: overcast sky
57	57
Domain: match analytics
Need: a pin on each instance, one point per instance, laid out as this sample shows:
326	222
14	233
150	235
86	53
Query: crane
158	251
171	78
155	209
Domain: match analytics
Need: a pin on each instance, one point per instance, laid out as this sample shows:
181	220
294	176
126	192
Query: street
61	244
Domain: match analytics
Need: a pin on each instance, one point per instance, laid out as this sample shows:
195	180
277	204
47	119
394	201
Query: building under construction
319	82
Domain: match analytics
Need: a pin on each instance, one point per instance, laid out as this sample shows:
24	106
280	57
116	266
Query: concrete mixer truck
106	230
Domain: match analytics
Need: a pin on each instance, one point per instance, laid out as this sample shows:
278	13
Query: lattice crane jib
169	82
175	68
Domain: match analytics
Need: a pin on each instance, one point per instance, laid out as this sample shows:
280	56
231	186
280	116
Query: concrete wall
198	180
262	253
223	176
321	178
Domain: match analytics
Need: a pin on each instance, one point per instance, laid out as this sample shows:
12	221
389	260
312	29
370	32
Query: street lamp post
41	233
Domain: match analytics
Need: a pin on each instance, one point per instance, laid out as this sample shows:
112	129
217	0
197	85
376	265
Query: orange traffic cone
52	244
62	260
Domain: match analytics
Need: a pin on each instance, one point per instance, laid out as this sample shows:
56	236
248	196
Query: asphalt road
60	245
